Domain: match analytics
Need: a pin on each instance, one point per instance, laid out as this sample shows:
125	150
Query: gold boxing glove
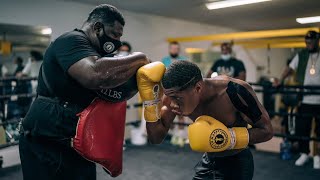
207	134
150	89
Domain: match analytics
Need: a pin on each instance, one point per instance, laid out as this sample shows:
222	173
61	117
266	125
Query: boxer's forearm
157	131
262	131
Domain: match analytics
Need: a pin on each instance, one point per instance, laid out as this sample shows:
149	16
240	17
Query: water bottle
285	150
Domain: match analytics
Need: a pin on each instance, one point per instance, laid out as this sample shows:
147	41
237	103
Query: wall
146	33
259	57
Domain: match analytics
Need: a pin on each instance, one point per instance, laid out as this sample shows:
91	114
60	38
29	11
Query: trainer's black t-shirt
60	55
230	67
58	120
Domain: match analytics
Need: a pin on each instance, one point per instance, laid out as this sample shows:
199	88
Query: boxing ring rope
300	90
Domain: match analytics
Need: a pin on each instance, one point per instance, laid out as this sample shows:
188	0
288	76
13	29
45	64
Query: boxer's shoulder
221	80
218	83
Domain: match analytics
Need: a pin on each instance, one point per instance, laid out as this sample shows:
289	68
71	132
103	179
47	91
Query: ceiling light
307	20
46	31
231	3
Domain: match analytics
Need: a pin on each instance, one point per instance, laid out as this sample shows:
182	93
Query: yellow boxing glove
150	89
207	134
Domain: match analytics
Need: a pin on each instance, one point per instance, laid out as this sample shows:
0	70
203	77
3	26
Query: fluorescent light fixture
307	20
46	31
231	3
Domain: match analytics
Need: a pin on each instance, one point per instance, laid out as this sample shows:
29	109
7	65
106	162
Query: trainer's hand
150	89
207	134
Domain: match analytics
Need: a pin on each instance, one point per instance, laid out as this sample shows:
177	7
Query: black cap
312	35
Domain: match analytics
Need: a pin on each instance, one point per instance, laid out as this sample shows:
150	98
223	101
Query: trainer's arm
261	130
287	71
106	72
242	71
157	131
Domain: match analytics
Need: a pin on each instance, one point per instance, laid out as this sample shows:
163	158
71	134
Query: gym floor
164	162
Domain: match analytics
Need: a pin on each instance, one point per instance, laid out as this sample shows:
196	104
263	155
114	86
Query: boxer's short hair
182	75
107	13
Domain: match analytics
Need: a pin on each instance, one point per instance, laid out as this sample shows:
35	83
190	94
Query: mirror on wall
204	58
18	41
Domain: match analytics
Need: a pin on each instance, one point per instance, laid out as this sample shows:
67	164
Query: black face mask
174	55
108	45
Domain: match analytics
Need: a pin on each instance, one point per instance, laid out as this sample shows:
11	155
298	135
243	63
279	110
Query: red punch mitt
100	134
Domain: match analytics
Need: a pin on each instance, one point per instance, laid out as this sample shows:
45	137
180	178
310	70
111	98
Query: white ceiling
267	15
21	35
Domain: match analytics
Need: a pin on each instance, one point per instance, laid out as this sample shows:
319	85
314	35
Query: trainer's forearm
114	71
285	74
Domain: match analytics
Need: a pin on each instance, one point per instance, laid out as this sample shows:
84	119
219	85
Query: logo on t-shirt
111	93
223	70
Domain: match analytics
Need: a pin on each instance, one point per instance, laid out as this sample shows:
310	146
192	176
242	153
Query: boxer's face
185	102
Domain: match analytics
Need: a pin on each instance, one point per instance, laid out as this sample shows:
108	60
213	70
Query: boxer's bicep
245	101
261	130
264	116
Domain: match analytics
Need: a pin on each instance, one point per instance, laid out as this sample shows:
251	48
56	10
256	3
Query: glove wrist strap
232	139
151	102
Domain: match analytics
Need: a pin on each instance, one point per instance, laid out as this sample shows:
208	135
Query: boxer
221	109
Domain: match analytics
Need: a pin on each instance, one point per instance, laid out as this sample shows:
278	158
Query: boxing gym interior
271	46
